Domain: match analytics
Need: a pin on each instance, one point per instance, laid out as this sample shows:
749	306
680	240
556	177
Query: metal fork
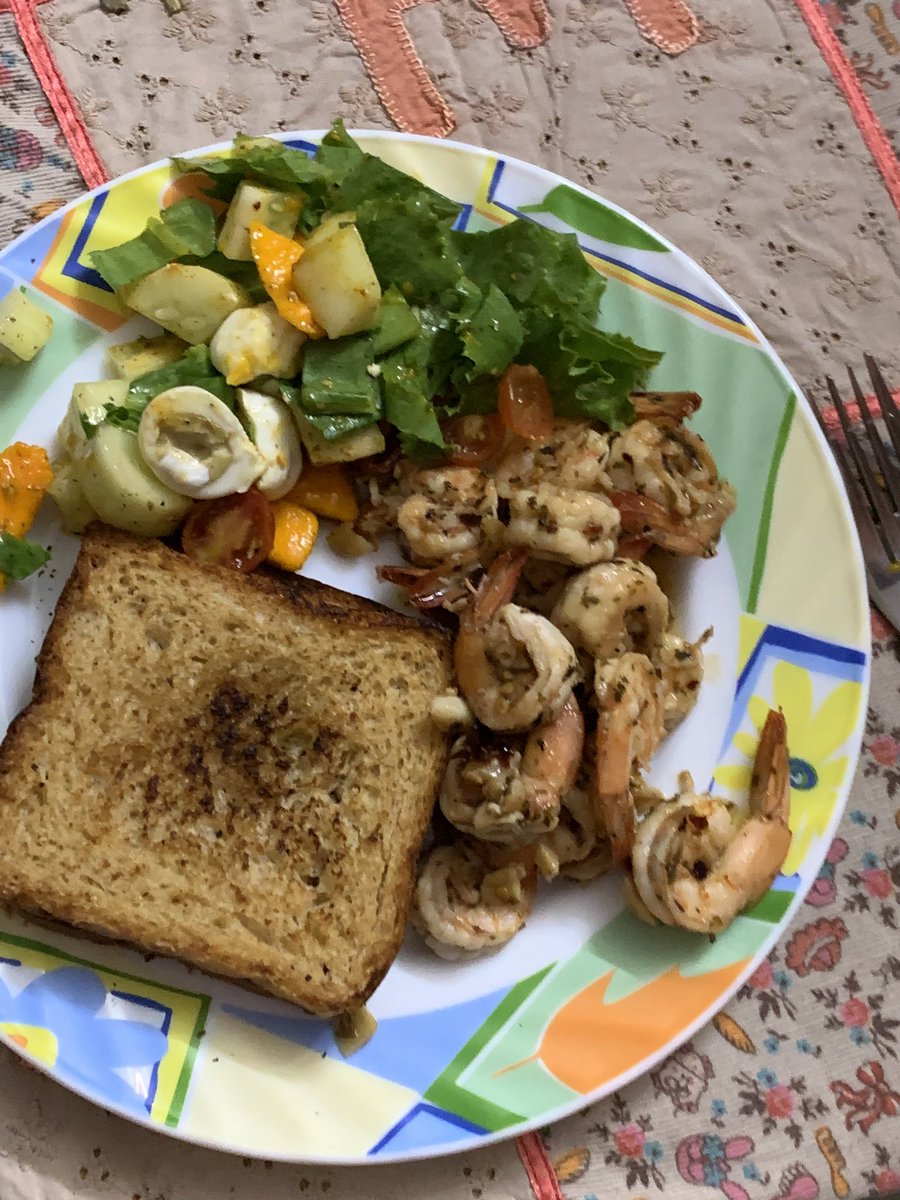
873	483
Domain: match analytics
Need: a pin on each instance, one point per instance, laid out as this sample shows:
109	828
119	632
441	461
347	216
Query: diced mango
296	529
275	256
25	475
325	490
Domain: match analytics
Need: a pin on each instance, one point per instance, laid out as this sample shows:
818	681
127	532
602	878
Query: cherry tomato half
524	403
234	531
476	440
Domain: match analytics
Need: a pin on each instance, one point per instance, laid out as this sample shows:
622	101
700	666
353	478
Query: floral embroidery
864	1018
765	1096
816	947
361	106
668	193
222	111
824	889
587	24
885	1179
190	26
463	24
631	1148
496	109
869	1103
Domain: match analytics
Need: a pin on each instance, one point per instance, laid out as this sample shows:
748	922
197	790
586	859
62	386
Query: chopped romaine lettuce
20	558
338	378
194	368
397	323
492	335
187	227
263	160
330	427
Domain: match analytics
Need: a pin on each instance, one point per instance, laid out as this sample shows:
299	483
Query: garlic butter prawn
612	608
629	729
514	667
666	486
693	865
463	905
510	794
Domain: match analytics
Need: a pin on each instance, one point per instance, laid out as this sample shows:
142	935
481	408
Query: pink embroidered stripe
848	81
669	24
832	420
61	99
537	1166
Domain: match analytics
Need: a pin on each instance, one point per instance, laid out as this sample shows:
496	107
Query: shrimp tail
770	787
647	518
497	587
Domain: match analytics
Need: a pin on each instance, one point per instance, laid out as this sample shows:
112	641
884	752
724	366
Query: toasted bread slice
236	770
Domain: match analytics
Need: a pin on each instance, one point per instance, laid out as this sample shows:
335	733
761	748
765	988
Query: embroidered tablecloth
760	138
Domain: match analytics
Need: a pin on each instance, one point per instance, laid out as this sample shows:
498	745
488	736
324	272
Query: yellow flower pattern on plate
815	735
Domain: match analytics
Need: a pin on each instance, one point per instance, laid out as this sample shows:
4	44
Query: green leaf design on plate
592	217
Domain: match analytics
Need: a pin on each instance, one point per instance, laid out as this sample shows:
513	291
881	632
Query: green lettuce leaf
397	322
187	227
263	160
330	427
193	368
337	378
533	266
492	336
20	558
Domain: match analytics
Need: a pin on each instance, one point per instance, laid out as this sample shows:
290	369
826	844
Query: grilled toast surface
236	770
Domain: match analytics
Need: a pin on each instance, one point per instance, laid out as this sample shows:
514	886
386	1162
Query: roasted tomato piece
524	403
234	531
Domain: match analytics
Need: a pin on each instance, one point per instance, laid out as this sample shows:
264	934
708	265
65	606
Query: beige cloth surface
741	150
743	153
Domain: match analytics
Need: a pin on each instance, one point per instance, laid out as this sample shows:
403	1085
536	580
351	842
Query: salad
331	305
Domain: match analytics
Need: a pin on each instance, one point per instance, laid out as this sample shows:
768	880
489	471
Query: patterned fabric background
37	173
870	33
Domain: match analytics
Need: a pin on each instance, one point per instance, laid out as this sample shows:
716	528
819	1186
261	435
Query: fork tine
875	549
888	470
872	543
886	521
885	402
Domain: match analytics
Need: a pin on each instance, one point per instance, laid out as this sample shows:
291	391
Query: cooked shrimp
463	906
690	828
692	866
629	728
579	852
573	457
681	665
511	795
442	516
673	469
541	584
612	608
563	524
513	667
445	585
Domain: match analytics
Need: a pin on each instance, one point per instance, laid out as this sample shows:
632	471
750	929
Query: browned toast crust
236	770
